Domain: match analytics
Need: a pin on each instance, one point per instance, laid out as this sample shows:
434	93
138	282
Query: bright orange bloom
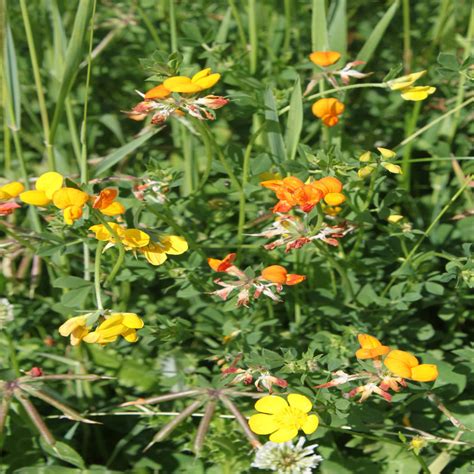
158	92
107	204
406	365
278	274
307	197
222	265
371	347
328	110
325	58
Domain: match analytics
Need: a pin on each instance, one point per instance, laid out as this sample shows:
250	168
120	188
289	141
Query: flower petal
49	182
271	404
130	335
324	58
12	189
417	93
368	342
174	244
275	274
208	81
201	74
154	253
311	424
301	402
158	92
181	84
334	199
35	198
131	320
400	363
424	373
283	435
263	424
113	209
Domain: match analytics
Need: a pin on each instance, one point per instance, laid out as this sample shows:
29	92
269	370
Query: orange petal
294	279
332	184
275	274
105	198
324	58
400	363
424	373
158	92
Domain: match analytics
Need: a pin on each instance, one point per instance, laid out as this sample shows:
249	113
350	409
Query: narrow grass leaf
295	121
273	130
338	28
367	51
11	80
319	29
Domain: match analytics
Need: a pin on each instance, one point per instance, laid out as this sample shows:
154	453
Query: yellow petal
130	335
131	320
35	198
66	197
113	209
181	84
311	424
71	214
334	199
201	74
111	332
263	424
113	320
271	404
174	244
49	182
301	402
77	335
405	81
92	337
12	189
394	218
400	363
365	157
368	342
154	253
135	238
417	93
424	373
365	171
392	168
283	435
386	153
71	324
208	81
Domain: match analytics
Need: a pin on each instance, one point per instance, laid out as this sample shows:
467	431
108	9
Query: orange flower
107	204
324	58
278	274
158	92
328	110
307	197
406	365
222	265
371	347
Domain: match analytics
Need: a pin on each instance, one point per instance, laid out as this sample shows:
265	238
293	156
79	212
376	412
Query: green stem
425	234
406	165
173	29
252	16
38	86
407	53
98	258
240	26
289	6
13	358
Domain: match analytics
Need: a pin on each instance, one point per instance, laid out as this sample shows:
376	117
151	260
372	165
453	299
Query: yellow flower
107	204
394	218
45	187
405	81
199	82
156	253
395	169
11	190
417	93
117	324
365	157
281	419
130	238
366	171
71	201
76	328
406	365
386	153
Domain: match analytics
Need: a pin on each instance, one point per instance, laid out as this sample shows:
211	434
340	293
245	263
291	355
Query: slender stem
406	165
252	17
380	85
289	6
38	86
240	26
173	30
425	234
13	359
407	53
98	257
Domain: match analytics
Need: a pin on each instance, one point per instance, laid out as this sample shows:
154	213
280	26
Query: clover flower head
282	419
287	458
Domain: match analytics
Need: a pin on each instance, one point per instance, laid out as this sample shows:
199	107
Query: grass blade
319	29
295	121
120	153
338	29
367	51
11	80
74	51
273	130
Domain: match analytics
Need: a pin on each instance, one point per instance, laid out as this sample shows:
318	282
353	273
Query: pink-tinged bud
7	208
281	383
213	102
35	372
158	118
248	379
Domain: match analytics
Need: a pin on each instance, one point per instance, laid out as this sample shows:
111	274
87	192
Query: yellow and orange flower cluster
49	190
163	100
113	326
292	192
8	193
135	240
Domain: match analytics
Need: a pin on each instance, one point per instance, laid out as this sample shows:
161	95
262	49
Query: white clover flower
6	312
287	458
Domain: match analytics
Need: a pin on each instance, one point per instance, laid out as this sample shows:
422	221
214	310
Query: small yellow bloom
366	171
76	328
117	324
365	157
386	153
334	199
394	218
107	204
71	201
405	81
45	187
156	253
282	419
199	82
395	169
417	93
11	190
130	238
406	365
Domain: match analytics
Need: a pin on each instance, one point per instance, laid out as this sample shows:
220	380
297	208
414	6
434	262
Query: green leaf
295	121
64	452
11	80
120	153
434	288
76	298
367	51
74	53
319	29
448	61
273	131
70	282
338	29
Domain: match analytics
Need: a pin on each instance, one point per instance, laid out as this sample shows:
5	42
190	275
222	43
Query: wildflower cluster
180	95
